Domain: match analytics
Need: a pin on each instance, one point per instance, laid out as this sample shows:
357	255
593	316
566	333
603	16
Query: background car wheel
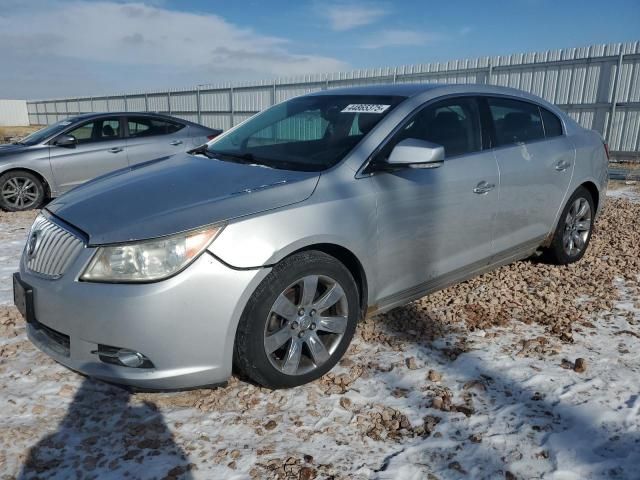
299	321
20	191
573	233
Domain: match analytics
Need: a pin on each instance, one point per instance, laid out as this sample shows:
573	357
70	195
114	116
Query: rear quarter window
148	126
552	124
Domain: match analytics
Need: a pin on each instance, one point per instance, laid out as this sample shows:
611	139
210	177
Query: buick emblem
32	244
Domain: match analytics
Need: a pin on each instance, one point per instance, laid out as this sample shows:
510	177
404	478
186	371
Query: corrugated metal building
13	113
598	85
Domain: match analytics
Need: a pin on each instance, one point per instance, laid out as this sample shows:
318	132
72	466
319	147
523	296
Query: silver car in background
59	157
264	250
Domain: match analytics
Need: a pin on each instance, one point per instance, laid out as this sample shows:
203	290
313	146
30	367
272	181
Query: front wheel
573	233
20	191
299	321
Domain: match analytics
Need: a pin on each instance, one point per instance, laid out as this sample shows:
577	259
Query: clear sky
59	48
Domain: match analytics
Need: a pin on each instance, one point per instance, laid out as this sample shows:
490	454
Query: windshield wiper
247	158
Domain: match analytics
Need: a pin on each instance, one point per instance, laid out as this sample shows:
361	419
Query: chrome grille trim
55	249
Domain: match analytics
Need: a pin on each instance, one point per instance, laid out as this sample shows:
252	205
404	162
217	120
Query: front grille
50	248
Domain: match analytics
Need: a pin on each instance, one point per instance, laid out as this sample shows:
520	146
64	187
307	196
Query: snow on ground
477	381
629	190
14	228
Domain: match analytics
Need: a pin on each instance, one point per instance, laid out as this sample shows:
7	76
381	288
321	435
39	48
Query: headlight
148	260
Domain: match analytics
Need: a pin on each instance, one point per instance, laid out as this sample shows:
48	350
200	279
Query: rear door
436	223
535	170
100	149
151	137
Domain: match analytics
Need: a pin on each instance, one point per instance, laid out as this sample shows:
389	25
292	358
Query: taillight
606	150
212	136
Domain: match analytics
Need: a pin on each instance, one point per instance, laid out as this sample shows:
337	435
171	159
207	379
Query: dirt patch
8	133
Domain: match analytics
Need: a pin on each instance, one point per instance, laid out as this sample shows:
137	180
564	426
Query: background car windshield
44	133
307	133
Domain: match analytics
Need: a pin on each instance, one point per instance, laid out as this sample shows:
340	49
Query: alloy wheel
306	324
19	192
577	227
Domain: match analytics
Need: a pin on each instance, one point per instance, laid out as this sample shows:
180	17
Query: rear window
515	121
552	125
148	126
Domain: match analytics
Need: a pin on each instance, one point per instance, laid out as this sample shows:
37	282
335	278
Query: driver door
100	149
435	224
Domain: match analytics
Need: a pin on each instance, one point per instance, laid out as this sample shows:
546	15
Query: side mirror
67	141
414	153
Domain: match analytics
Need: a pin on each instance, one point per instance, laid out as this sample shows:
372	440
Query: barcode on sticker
365	108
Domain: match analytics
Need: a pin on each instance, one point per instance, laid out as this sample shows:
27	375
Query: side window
83	133
454	124
552	125
148	126
515	121
97	130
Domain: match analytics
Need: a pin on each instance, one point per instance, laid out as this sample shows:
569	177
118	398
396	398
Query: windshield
309	133
46	132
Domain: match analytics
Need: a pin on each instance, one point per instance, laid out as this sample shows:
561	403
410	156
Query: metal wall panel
191	117
158	102
136	103
85	105
215	101
14	113
100	105
252	100
116	104
72	107
580	80
216	120
184	102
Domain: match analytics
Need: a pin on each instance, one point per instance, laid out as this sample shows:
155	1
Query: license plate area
46	338
23	298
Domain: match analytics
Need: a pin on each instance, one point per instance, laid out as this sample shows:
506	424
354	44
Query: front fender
265	239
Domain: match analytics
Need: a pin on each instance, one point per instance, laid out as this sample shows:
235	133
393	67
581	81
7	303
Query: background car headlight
148	260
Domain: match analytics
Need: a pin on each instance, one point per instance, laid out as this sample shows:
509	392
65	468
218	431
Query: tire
287	303
571	231
21	190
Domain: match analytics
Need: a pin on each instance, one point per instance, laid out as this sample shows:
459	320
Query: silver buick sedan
57	158
262	251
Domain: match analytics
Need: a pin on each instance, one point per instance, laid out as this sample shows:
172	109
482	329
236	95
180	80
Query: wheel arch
593	191
40	176
349	260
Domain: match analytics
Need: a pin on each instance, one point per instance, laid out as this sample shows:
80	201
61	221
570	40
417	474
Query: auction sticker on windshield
365	108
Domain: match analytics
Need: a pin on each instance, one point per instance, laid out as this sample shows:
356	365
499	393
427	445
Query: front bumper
185	325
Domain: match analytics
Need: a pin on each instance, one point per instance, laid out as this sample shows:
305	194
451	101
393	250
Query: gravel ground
530	371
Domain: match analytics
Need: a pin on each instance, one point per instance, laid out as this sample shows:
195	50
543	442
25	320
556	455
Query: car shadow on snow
106	435
511	426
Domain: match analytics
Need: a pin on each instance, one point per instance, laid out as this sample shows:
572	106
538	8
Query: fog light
130	358
122	356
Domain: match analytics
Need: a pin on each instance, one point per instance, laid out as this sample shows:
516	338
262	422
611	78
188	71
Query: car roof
413	89
88	116
408	90
395	89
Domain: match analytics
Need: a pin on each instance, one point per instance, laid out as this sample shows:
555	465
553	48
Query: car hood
11	149
176	194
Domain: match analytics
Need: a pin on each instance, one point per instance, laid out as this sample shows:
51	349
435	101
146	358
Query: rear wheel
573	233
298	323
20	190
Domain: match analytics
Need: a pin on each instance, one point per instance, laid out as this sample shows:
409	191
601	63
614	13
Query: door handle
483	188
176	142
116	149
562	165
